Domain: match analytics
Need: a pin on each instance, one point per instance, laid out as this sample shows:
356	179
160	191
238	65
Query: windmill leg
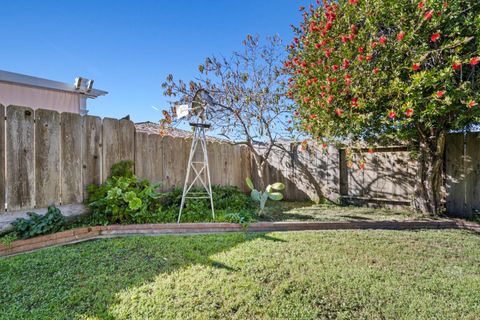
209	183
185	185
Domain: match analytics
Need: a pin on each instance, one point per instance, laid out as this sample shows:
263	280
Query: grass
293	275
307	211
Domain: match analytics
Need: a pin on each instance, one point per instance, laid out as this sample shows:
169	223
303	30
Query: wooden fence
388	177
48	157
462	168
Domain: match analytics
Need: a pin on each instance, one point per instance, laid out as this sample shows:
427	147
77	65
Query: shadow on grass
84	279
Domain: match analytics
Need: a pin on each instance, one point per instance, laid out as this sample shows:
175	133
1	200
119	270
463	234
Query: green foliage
385	71
269	193
36	225
231	205
123	198
7	239
122	169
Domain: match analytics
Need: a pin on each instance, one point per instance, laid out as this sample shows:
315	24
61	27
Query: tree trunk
260	163
429	190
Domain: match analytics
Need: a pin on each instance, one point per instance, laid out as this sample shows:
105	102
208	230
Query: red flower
369	58
371	150
375	70
344	39
456	66
409	112
374	44
306	99
335	67
338	112
295	40
348	80
440	93
428	15
421	4
353	28
435	37
382	40
360	58
330	99
472	104
392	115
345	64
400	36
474	61
313	116
296	114
416	67
352	1
361	165
361	49
354	102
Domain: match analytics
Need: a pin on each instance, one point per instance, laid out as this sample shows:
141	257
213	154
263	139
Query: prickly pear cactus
271	192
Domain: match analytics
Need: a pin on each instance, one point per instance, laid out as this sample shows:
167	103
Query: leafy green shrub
231	205
122	169
123	199
36	225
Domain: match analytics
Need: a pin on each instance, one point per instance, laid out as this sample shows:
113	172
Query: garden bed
309	275
96	232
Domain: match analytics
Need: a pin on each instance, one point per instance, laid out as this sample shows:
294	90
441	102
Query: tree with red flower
437	46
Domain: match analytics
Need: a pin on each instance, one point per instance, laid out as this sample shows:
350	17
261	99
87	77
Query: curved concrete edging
89	233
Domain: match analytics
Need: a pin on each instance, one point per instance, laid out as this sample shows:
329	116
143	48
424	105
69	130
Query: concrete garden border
97	232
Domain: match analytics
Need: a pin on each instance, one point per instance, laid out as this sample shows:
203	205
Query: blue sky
129	47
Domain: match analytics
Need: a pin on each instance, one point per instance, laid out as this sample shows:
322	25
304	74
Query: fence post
343	173
2	158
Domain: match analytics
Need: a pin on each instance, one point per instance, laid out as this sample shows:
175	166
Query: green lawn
293	275
307	211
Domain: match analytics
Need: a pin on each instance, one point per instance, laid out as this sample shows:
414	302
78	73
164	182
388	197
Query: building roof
22	79
154	128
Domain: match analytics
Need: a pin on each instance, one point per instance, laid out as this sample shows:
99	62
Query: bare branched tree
251	106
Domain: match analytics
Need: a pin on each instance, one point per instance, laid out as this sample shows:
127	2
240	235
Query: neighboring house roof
17	78
154	128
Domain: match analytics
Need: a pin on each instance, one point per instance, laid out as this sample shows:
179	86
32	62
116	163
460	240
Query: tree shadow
84	279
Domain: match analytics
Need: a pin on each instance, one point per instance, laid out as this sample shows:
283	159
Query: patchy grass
307	211
293	275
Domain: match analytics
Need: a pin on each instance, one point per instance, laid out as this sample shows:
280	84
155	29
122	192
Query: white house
37	93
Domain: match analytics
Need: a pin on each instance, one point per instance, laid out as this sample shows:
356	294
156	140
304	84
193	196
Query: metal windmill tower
197	168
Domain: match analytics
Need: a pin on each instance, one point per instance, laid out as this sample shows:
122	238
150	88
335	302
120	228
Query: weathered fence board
47	158
118	143
149	156
455	174
463	174
92	157
71	168
171	150
2	158
20	158
472	172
